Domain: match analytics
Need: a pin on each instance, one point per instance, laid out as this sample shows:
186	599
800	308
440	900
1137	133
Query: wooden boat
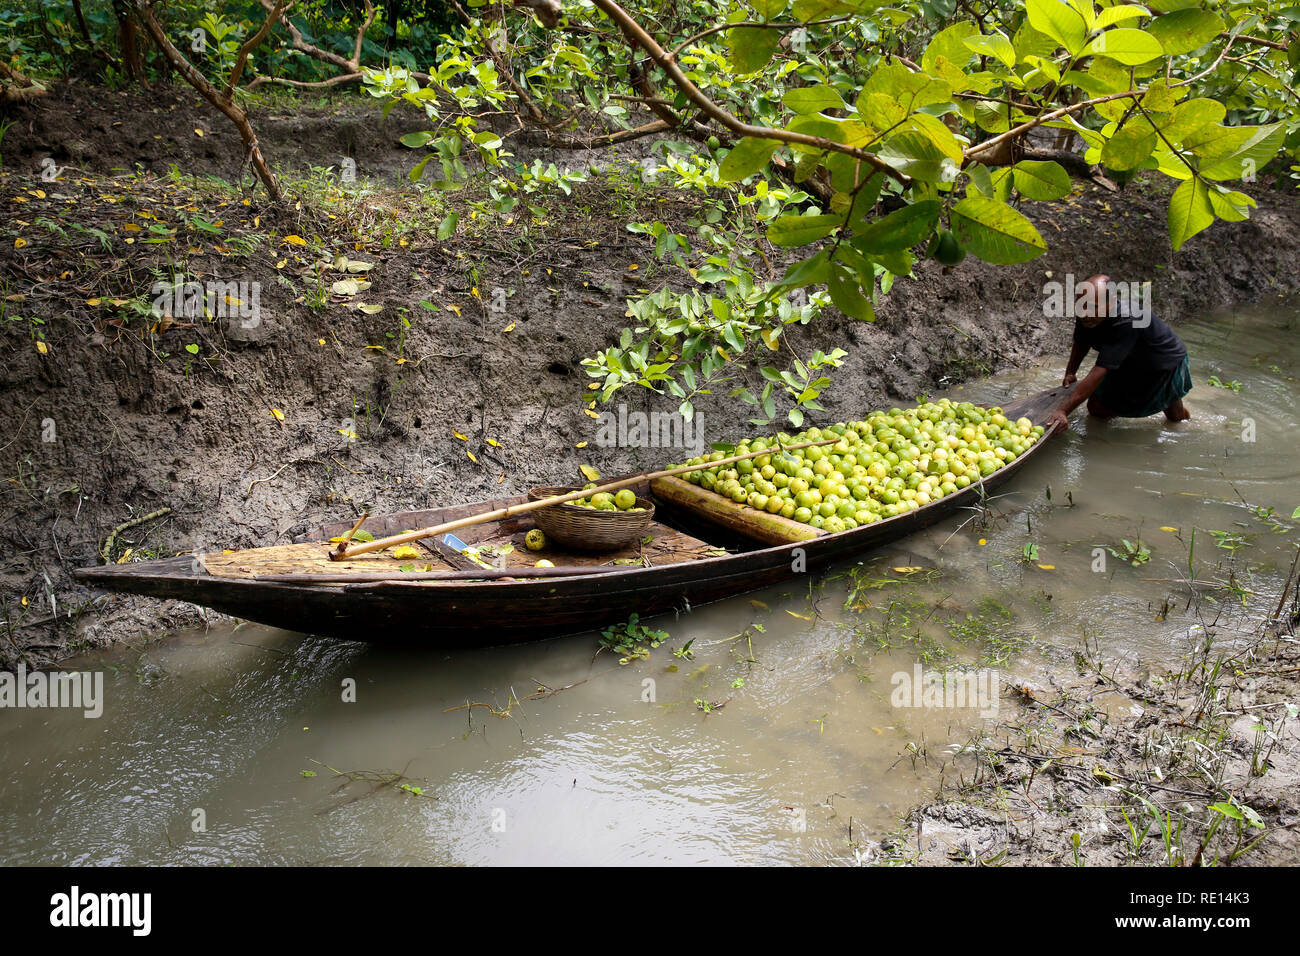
692	557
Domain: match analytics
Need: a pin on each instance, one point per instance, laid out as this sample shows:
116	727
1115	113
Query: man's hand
1058	420
1070	379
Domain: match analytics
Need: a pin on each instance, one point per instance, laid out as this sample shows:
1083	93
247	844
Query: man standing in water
1142	365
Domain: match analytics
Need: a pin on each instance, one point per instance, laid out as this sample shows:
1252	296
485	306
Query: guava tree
855	136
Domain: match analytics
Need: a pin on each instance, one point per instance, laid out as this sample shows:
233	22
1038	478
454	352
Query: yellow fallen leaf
983	542
277	414
19	242
1048	567
581	444
24	600
907	570
501	477
509	328
454	308
93	301
405	551
320	341
1169	529
282	263
471	456
802	617
459	435
760	605
198	132
494	443
42	347
294	240
589	413
769	337
38	193
590	472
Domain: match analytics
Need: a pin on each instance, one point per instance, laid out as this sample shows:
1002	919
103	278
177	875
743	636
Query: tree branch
223	102
661	58
252	43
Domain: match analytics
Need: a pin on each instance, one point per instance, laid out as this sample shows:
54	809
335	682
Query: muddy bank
249	436
1199	766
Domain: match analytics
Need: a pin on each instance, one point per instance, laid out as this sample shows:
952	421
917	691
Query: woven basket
588	529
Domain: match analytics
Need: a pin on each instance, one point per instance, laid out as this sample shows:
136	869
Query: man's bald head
1093	299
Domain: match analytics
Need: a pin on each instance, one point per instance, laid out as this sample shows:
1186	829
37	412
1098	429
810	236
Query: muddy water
773	740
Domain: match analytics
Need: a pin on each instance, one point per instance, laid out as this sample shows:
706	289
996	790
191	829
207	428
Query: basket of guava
602	521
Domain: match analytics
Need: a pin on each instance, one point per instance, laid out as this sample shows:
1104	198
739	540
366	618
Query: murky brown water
222	727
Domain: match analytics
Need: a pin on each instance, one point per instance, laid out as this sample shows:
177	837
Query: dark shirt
1130	350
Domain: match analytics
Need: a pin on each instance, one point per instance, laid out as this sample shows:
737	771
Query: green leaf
751	48
813	99
939	134
911	90
1191	116
418	171
1041	180
1126	45
747	157
1257	146
806	10
1113	15
192	349
994	45
416	140
1228	205
880	111
800	230
995	232
1058	21
1227	809
901	229
448	226
769	9
1189	212
917	155
1129	148
848	297
948	45
811	271
1185	30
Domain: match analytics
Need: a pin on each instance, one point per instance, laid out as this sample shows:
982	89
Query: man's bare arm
1077	351
1082	392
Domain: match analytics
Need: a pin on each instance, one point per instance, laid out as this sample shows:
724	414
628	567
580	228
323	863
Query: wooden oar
346	550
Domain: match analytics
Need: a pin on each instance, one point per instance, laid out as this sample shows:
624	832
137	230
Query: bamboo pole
345	551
